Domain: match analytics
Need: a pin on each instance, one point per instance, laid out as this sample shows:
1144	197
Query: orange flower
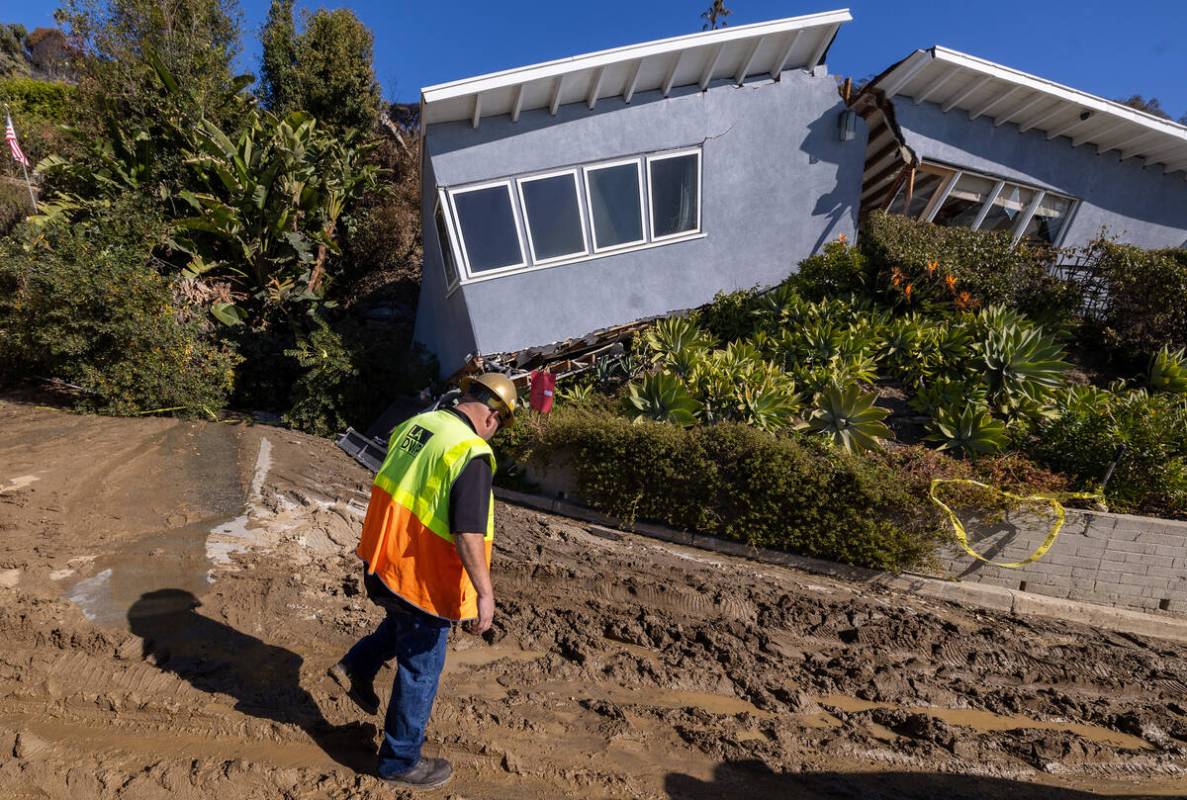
841	238
965	301
931	267
910	287
950	282
896	277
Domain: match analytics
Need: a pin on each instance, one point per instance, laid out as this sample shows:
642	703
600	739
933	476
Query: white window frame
506	184
937	200
581	213
442	207
690	151
643	204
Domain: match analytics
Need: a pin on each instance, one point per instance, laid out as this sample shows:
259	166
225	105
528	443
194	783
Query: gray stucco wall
777	184
1138	206
1111	559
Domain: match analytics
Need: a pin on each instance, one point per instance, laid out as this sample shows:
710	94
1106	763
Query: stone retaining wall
1110	559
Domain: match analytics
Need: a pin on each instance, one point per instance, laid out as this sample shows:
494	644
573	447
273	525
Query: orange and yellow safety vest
406	541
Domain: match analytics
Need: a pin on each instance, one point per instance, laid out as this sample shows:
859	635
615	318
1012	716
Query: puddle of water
680	698
988	721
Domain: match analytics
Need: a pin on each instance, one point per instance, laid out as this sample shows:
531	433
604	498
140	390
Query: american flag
10	137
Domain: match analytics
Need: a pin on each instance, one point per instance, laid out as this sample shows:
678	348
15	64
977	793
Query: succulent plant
662	397
848	417
971	431
1168	371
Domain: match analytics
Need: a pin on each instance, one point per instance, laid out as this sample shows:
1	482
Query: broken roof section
954	80
766	48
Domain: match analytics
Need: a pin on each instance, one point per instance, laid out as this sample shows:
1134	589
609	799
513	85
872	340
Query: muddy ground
171	594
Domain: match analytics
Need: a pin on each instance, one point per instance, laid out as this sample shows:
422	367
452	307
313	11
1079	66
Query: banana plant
848	417
1168	371
662	397
970	432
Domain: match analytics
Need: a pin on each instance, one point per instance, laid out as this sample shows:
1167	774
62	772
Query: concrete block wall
1112	559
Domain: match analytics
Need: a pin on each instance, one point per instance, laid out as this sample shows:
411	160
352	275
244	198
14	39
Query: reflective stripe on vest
406	539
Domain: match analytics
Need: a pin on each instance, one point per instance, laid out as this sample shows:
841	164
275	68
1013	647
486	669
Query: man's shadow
264	679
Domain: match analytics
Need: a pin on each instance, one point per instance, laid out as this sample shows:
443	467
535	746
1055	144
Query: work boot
429	773
361	692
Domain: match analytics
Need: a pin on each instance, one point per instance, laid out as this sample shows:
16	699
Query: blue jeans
417	641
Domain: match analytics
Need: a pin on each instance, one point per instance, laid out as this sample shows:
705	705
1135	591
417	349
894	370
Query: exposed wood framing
1026	105
666	88
595	86
781	61
956	99
748	60
477	113
555	102
710	68
517	103
825	41
934	87
631	82
993	101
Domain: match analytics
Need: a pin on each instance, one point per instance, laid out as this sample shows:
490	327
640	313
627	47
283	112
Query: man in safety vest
426	546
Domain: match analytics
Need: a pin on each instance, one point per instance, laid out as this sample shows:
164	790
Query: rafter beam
993	101
1088	136
1026	105
555	101
477	113
906	73
1175	166
1126	142
1068	127
956	99
1050	113
935	86
517	103
710	67
666	88
595	86
632	82
826	38
1155	155
740	76
784	54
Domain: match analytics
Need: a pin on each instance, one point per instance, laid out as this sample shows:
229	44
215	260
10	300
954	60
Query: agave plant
661	396
971	431
576	395
849	418
1168	371
944	391
737	383
677	343
1021	367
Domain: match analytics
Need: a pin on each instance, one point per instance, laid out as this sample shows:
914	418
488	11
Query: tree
125	41
278	75
325	70
715	15
48	51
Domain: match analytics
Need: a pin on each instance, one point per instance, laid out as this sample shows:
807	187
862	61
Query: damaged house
578	194
960	141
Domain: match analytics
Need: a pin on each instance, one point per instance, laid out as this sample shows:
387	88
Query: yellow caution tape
962	537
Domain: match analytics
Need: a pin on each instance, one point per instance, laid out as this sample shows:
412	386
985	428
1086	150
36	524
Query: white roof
699	58
958	81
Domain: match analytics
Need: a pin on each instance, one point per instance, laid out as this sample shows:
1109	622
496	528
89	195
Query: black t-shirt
469	499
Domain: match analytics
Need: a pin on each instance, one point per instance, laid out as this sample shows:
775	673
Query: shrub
1141	297
984	263
83	304
1151	476
838	270
48	100
739	483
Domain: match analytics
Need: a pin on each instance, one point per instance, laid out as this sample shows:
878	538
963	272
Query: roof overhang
765	48
981	88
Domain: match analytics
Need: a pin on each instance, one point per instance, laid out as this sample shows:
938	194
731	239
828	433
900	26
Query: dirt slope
173	593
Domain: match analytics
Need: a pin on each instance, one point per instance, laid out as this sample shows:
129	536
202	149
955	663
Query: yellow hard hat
501	387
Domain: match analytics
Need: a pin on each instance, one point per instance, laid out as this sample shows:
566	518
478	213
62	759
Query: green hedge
49	100
736	482
984	263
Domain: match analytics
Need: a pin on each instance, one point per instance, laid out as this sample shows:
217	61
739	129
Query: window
615	197
964	199
447	259
487	227
1049	219
962	206
674	189
552	216
928	180
1007	208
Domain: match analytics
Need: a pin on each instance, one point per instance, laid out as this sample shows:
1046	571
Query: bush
837	270
983	263
1142	295
1151	476
84	305
739	483
15	204
53	101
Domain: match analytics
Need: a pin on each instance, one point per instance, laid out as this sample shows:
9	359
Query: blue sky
1108	48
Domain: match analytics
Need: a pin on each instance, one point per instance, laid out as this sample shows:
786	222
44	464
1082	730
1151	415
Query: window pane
615	205
488	228
1003	214
1049	219
673	195
553	216
963	204
446	250
926	185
